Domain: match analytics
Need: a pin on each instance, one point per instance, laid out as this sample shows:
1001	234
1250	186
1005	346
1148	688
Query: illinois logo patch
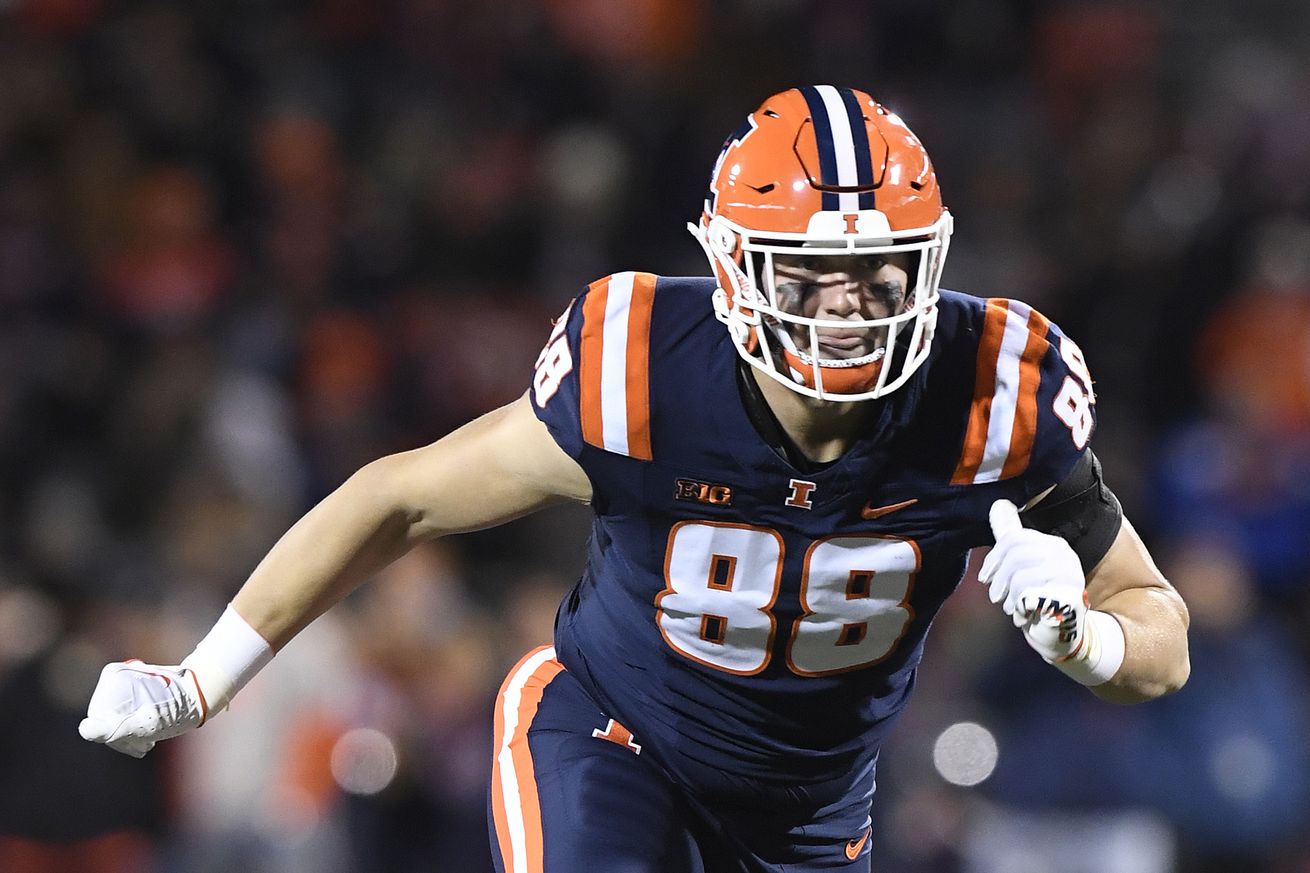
800	494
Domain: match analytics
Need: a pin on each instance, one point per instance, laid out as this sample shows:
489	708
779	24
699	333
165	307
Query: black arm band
1081	510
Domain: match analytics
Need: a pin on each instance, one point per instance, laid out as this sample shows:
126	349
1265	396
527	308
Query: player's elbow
1179	679
1158	663
1174	656
1140	689
1160	666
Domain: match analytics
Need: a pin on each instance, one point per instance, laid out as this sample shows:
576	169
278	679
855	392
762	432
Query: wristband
226	659
1101	652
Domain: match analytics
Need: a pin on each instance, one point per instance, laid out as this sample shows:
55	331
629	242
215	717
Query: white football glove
135	705
1038	580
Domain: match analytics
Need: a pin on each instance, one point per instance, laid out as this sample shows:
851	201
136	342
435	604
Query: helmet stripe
843	147
843	140
860	139
823	138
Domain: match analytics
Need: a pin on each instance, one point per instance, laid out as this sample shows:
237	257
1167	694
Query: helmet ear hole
722	238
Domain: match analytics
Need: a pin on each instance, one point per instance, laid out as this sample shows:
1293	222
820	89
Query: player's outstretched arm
496	468
499	467
1121	629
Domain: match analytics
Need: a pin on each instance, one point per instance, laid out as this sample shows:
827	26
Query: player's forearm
1154	622
355	531
349	536
1128	585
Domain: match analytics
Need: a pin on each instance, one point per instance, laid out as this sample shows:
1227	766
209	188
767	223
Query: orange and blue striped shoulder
1032	401
592	381
614	373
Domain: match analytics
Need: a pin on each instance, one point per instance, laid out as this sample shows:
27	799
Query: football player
789	463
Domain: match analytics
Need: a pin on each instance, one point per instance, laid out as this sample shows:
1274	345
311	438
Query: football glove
136	705
1038	580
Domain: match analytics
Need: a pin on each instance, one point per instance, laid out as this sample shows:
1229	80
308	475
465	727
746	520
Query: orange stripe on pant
989	352
1025	414
638	375
515	806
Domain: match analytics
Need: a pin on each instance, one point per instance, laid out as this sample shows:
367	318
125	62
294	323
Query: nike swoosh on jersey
870	511
854	846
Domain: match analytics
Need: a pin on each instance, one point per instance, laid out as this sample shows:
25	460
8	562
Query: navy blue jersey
753	624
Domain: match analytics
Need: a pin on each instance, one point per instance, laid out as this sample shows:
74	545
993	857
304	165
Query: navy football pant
571	792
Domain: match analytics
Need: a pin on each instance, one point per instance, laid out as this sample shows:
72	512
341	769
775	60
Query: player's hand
1039	582
135	705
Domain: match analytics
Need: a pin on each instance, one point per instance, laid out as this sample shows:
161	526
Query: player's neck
821	429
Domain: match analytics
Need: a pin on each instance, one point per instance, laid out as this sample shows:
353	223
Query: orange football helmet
823	171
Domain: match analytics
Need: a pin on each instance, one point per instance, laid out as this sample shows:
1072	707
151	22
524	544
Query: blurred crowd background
247	246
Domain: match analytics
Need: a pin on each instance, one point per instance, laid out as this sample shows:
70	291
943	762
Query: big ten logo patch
702	492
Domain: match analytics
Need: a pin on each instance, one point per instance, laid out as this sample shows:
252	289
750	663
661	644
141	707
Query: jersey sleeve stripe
516	807
1003	419
1005	400
1024	433
614	372
638	366
590	363
989	349
614	364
